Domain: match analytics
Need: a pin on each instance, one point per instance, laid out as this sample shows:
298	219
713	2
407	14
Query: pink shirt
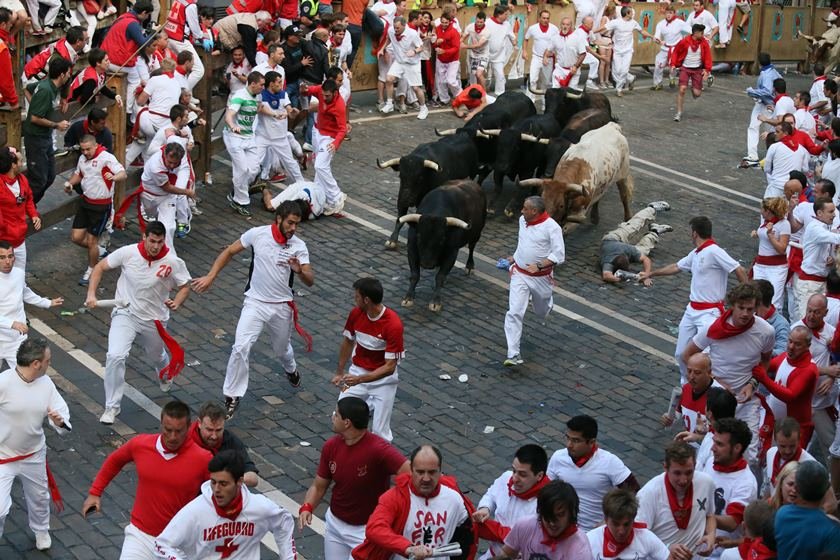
526	537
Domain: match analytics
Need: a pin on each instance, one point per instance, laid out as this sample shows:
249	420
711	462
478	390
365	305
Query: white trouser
754	130
323	170
523	287
198	68
593	63
834	448
20	256
138	545
621	69
278	151
245	163
448	80
9	344
776	275
341	538
661	63
750	413
134	149
803	290
32	472
499	79
132	80
88	20
726	9
379	396
255	316
183	210
692	322
539	76
149	124
163	208
125	327
49	17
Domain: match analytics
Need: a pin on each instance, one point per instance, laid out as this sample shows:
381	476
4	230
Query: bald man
692	397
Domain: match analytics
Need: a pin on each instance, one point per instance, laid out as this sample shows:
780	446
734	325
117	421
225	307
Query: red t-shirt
464	98
377	339
361	472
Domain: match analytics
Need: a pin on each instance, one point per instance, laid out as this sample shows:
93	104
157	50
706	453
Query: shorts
693	75
476	63
744	7
408	72
92	219
12	5
383	65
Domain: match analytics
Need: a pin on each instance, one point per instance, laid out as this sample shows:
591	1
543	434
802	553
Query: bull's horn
455	222
573	93
574	187
492	131
544	140
388	163
531	183
529	137
446	132
410	219
536	91
431	165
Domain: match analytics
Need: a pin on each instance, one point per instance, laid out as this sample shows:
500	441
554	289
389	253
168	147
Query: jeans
40	164
293	91
356	40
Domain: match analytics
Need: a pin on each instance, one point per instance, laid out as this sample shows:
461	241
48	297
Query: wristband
305	507
754	383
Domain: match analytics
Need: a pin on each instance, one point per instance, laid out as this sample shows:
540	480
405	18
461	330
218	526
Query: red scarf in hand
548	540
777	463
585	459
538	220
681	513
528	494
738	465
612	548
708	243
232	510
721	328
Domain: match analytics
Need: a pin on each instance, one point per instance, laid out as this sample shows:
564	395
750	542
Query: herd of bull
570	154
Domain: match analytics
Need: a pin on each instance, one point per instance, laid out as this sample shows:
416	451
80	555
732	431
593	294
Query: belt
544	272
771	260
810	277
705	305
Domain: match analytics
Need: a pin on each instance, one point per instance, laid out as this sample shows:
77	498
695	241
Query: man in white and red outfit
539	250
542	34
738	341
424	510
327	134
735	484
667	34
703	16
16	203
157	98
782	157
591	470
361	465
788	448
27	398
512	497
183	27
170	471
149	271
677	504
567	52
710	267
622	536
448	65
818	242
96	172
373	336
278	256
693	57
692	403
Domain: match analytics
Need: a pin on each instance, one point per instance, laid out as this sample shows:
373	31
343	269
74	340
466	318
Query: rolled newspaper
108	303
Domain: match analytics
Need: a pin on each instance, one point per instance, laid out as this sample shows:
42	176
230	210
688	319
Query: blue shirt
804	533
763	90
781	326
274	100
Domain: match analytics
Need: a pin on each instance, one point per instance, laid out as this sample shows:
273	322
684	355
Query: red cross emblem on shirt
228	548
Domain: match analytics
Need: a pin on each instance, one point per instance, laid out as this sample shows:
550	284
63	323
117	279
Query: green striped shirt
245	105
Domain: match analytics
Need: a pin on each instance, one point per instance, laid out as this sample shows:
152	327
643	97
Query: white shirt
164	92
167	135
779	161
704	453
802	213
739	487
771	458
435	518
780	228
671	33
473	38
734	357
541	40
197	531
540	241
23	408
390	9
273	129
645	546
504	508
833	315
783	106
156	175
500	35
817	91
146	285
584	8
623	31
265	68
821	356
407	48
94	186
831	171
600	474
270	277
805	121
817	243
655	511
710	269
706	18
233	83
567	49
307	190
13	293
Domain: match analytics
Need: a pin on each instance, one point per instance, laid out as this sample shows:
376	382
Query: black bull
448	218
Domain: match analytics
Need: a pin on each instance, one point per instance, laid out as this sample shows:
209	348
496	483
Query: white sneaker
387	108
660	205
592	85
165	385
307	147
42	540
339	206
424	112
109	416
626	276
660	228
514	361
85	279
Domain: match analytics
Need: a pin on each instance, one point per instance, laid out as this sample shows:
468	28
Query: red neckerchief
195	435
721	328
240	65
585	30
816	331
332	41
399	37
86	127
543	28
777	463
776	99
170	74
416	492
412	26
672	18
538	220
705	244
770	312
495	20
479	28
803	360
262	48
681	513
180	69
738	465
759	551
567	34
528	494
744	547
790	142
612	548
7	180
233	509
698	12
819	79
585	459
773	220
548	540
142	248
278	235
99	149
423	28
